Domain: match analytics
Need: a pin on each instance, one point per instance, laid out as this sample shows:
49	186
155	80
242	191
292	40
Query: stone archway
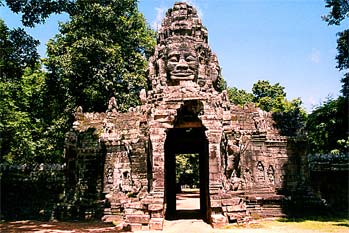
187	137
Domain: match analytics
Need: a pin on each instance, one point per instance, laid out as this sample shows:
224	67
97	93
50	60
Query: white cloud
315	56
160	12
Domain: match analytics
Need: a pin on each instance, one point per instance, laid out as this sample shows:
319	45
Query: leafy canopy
327	127
338	12
101	52
289	115
239	96
18	51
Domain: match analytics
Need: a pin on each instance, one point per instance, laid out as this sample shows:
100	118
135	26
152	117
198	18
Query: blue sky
281	41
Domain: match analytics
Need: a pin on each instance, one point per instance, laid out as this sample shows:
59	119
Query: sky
282	41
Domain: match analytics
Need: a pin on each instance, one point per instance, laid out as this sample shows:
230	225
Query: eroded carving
246	156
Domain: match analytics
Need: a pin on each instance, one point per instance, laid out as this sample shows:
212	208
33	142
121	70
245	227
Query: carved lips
182	65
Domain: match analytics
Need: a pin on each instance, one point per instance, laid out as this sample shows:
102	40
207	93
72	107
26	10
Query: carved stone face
182	63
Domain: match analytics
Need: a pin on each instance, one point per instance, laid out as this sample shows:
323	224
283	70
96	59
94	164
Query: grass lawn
295	225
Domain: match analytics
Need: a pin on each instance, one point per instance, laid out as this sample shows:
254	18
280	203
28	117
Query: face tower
182	55
129	159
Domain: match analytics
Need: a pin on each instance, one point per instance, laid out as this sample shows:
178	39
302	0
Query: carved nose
182	65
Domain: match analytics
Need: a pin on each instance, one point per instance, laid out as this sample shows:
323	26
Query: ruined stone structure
127	160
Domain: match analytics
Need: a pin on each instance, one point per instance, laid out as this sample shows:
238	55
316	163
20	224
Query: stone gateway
127	161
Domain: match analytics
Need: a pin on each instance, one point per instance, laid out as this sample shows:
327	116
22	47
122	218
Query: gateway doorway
189	144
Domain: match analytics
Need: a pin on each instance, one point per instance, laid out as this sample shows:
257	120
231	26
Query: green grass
339	223
316	224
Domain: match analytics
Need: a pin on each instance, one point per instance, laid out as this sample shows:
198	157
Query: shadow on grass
35	226
341	217
342	224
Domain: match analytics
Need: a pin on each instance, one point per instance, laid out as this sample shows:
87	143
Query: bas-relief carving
260	172
182	53
270	174
118	174
182	63
183	73
234	183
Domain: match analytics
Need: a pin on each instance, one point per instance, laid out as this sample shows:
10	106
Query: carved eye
190	58
173	58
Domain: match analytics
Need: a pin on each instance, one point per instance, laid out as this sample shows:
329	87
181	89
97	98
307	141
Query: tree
18	51
267	96
101	52
22	85
37	11
187	169
339	11
239	96
327	127
25	131
342	56
289	116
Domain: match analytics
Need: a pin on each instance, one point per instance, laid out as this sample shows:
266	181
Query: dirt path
177	226
188	203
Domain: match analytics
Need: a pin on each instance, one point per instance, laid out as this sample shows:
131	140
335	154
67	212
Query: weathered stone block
134	205
236	208
178	99
135	226
133	211
138	218
216	203
112	218
231	201
155	207
218	220
156	224
157	214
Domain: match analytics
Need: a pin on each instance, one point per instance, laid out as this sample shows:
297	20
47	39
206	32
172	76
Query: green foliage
101	53
18	51
23	128
345	85
22	111
37	11
268	97
239	96
339	11
187	169
327	127
289	115
343	50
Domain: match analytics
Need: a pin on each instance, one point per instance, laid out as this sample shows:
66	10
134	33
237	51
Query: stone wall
329	176
30	191
126	161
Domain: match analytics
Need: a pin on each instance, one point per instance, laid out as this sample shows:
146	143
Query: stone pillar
157	138
215	167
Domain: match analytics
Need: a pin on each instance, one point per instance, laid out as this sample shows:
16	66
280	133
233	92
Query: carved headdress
182	52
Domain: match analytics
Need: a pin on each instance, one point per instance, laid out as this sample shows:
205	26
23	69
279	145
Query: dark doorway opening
182	143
